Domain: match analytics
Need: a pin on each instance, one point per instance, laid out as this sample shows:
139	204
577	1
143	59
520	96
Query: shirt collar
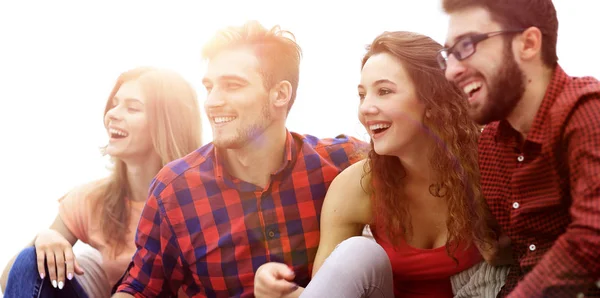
537	133
290	154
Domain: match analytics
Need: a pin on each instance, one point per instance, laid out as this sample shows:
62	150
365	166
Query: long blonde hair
175	128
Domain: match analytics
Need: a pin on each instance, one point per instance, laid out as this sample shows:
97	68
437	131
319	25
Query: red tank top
425	273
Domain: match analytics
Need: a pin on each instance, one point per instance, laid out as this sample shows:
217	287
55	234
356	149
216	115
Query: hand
274	280
500	252
57	252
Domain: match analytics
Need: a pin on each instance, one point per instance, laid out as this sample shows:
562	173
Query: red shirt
208	232
425	273
545	191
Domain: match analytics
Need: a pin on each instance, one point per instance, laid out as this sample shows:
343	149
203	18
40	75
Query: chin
381	149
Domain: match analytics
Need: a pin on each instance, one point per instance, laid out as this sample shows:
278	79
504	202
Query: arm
496	252
156	264
573	263
346	210
121	295
58	226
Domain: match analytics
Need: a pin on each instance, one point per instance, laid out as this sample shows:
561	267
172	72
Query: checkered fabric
207	232
545	191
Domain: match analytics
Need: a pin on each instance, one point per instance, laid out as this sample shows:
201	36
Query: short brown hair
519	14
276	50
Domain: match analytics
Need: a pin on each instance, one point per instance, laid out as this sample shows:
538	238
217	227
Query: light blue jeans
358	267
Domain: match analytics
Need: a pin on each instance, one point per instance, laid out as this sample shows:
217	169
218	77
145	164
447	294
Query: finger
51	264
282	271
69	262
281	287
78	269
272	281
41	261
59	255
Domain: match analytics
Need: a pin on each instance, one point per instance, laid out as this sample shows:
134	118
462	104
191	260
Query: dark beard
505	91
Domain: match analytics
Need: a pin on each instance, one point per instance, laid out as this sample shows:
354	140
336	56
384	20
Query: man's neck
524	113
257	160
139	177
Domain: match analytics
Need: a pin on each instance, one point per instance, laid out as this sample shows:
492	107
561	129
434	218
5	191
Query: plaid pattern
545	191
208	232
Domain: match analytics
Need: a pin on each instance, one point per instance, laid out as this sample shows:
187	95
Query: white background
59	60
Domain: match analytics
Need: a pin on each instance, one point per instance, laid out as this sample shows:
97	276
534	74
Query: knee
363	252
25	262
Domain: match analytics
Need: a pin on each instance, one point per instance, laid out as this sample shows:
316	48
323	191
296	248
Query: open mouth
117	133
223	120
379	128
471	89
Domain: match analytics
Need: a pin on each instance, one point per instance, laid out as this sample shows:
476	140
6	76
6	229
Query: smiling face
491	77
238	104
389	107
126	123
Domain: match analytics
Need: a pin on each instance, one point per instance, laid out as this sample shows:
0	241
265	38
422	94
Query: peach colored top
77	212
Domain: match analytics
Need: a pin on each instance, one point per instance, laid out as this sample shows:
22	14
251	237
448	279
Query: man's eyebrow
226	78
232	78
470	33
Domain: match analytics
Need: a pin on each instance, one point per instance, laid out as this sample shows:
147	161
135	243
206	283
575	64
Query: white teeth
379	126
114	131
219	120
472	86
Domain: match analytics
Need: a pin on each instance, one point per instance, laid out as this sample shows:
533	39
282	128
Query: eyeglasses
465	47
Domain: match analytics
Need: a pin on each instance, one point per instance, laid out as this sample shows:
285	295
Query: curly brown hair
454	158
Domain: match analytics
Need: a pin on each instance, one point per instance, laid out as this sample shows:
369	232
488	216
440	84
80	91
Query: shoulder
352	182
577	106
348	198
85	192
574	91
342	150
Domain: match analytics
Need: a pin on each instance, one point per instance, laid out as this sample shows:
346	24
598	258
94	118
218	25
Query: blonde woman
152	117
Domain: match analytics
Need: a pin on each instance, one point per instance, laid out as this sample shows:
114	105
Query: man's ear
529	44
281	94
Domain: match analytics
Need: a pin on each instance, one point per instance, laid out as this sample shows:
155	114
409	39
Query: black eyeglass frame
444	54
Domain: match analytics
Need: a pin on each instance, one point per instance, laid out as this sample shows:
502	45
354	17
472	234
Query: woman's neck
139	177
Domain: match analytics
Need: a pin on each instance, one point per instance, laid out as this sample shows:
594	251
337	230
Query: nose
454	68
115	113
214	99
367	107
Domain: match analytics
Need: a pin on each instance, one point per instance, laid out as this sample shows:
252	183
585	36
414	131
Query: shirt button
271	234
516	205
532	247
520	158
580	295
598	284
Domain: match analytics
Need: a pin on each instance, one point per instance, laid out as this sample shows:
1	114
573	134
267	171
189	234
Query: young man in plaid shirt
539	153
253	195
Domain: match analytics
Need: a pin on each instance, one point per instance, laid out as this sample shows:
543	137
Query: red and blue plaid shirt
545	191
207	232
